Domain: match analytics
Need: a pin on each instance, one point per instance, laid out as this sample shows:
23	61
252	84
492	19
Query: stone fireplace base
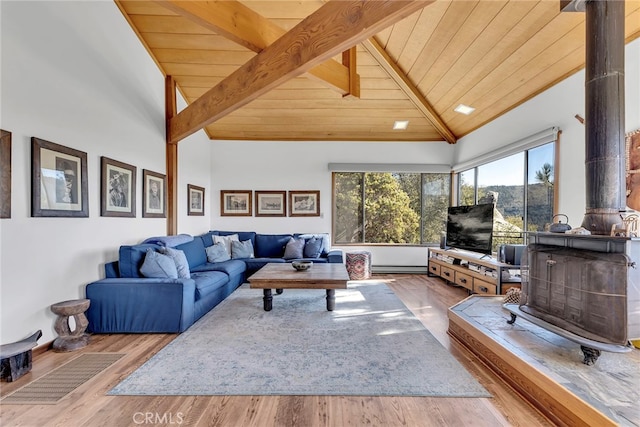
547	369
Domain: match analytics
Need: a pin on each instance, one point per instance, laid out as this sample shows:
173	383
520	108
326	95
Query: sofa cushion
294	249
131	257
232	267
255	264
313	248
217	253
241	249
226	241
157	265
179	259
270	245
208	282
194	251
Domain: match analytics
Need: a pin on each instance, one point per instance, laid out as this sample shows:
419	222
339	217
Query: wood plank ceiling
492	55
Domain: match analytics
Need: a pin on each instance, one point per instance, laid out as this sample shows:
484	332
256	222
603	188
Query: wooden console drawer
464	280
447	273
434	269
481	287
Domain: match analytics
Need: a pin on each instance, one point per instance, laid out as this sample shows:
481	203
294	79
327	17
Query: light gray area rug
370	345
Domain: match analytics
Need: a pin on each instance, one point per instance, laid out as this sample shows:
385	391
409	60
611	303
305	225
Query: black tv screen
470	227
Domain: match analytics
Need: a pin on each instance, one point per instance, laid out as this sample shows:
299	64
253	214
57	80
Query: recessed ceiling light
400	124
464	109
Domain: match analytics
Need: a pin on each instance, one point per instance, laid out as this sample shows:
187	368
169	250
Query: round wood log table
69	340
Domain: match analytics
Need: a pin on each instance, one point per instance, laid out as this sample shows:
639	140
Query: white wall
74	73
287	166
557	107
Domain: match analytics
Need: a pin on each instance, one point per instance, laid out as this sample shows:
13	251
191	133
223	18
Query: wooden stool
69	340
358	265
15	358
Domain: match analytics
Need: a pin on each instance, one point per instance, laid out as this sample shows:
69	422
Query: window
390	208
523	184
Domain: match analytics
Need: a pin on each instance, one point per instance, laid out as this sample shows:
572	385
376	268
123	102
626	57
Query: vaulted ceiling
492	55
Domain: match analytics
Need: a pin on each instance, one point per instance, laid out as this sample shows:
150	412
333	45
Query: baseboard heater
406	269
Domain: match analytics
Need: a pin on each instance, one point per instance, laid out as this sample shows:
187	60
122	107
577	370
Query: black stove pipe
604	115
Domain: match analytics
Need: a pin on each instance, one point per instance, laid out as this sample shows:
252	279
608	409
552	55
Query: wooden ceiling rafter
332	29
244	26
408	87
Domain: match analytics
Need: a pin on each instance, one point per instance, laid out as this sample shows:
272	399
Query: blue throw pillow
217	253
312	248
158	265
180	260
241	249
294	249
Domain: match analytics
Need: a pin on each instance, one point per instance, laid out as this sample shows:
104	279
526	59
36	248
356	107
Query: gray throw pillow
294	249
158	265
242	249
180	260
312	248
217	253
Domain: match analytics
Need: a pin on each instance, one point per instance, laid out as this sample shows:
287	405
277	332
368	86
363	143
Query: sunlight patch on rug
371	345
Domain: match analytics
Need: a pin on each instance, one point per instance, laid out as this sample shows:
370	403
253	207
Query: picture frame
154	190
5	174
271	203
58	180
117	188
235	203
304	203
195	200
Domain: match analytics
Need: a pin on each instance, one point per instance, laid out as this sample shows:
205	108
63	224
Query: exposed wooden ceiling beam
332	29
244	26
407	86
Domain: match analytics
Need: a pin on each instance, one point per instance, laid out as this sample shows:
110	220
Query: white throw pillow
226	241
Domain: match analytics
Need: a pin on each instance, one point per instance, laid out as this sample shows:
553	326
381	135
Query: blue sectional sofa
126	301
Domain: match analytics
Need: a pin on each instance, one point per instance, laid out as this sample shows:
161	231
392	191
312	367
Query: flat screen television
470	227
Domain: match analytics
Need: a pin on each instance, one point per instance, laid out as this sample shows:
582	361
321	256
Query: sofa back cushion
270	245
131	258
194	251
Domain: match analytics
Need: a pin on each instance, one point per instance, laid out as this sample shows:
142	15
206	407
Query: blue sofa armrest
132	305
335	256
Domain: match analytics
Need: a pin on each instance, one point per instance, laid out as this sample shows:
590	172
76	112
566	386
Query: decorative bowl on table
302	265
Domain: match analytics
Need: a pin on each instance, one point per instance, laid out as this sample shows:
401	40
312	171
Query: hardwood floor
428	298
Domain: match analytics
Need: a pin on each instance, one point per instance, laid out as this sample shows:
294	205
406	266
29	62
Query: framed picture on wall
154	195
235	202
304	203
117	188
5	174
58	180
195	201
271	203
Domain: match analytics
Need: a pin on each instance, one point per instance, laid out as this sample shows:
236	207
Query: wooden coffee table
329	276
